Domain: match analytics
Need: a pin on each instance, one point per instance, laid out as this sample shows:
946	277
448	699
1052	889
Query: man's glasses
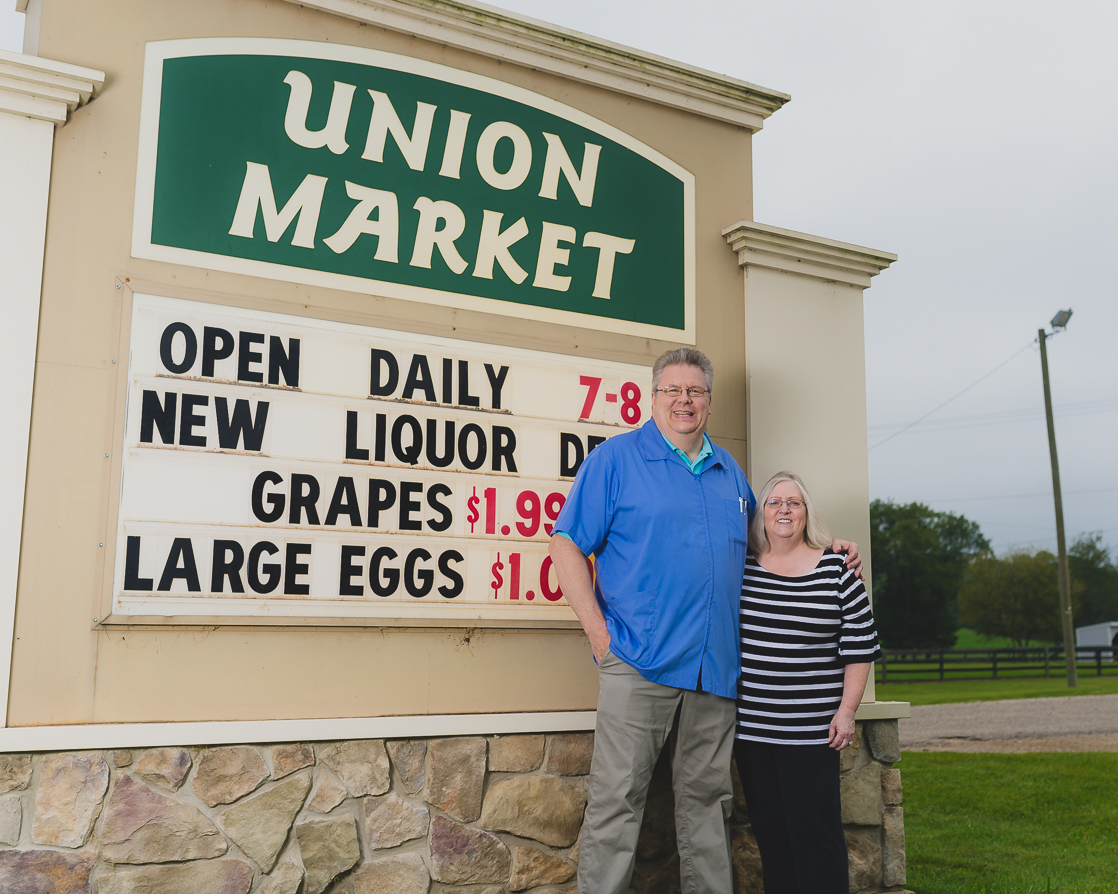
673	392
791	504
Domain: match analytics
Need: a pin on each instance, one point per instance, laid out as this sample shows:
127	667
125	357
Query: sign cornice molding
45	89
570	54
762	245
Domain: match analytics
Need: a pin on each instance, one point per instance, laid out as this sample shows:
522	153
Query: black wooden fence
926	665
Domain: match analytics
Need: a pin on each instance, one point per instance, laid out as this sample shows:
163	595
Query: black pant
794	806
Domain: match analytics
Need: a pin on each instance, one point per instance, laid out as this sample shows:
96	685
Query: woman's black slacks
794	806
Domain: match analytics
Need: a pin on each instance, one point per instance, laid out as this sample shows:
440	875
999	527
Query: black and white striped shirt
797	636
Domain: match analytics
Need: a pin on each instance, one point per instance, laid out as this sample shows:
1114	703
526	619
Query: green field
952	691
1011	823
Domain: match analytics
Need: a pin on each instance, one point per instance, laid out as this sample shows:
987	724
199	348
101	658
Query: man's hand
853	557
574	579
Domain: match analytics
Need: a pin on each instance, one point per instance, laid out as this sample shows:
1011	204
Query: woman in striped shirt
807	642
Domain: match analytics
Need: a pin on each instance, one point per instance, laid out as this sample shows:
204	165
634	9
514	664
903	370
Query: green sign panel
351	168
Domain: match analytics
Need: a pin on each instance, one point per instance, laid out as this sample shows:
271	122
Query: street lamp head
1060	321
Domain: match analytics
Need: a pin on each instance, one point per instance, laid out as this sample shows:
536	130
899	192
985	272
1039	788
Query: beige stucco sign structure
312	311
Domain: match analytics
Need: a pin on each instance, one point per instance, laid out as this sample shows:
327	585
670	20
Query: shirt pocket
737	520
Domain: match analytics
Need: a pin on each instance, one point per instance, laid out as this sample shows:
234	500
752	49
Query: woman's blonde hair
816	534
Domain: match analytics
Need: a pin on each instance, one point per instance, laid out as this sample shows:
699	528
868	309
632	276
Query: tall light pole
1059	323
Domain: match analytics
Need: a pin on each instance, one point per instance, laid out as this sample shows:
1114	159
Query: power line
1002	417
954	397
1048	494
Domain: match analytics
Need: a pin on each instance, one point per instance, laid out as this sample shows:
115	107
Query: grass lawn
951	691
965	638
1011	823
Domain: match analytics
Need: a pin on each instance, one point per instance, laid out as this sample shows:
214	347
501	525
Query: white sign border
142	247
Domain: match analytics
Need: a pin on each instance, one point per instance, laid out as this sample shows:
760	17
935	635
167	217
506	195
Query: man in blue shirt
665	513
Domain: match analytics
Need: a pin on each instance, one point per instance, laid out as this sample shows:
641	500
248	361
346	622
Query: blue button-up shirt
670	549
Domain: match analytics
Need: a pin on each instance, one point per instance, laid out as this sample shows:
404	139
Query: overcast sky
977	142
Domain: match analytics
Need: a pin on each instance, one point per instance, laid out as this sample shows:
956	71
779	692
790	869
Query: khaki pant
634	720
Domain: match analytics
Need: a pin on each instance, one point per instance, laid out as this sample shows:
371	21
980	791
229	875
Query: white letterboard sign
279	466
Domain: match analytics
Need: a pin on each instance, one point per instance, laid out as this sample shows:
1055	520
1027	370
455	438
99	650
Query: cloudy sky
976	141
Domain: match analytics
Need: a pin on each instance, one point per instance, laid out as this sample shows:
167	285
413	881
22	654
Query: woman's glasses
791	504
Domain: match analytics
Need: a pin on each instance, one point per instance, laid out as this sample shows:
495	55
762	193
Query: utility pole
1060	321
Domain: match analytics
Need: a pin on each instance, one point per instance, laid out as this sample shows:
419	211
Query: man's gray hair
686	357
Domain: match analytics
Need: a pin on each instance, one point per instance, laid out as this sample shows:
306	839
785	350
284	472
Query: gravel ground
1073	723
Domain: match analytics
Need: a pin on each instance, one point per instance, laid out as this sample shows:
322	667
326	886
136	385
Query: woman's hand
853	557
842	729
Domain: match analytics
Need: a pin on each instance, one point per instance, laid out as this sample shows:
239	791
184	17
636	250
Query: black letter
408	506
440	462
496	382
378	486
391	575
242	425
286	362
352	451
277	501
419	376
465	399
292	568
247	355
380	437
132	579
303	499
271	569
166	344
344	500
433	493
163	417
504	446
451	555
464	443
593	441
346	586
376	387
448	380
567	443
211	335
411	455
181	549
188	419
418	584
222	567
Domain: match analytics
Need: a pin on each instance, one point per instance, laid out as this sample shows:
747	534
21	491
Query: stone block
855	754
329	848
541	807
284	879
865	862
464	856
260	825
515	754
122	759
329	795
657	834
746	861
892	850
362	765
207	877
532	868
68	798
741	808
143	826
11	819
15	772
457	776
223	775
165	766
883	737
408	757
397	874
892	793
569	754
287	759
390	821
38	872
660	878
861	796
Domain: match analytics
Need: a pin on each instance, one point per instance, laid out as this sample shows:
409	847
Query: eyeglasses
791	504
673	392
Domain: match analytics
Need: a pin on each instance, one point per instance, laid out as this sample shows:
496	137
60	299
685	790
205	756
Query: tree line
934	572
